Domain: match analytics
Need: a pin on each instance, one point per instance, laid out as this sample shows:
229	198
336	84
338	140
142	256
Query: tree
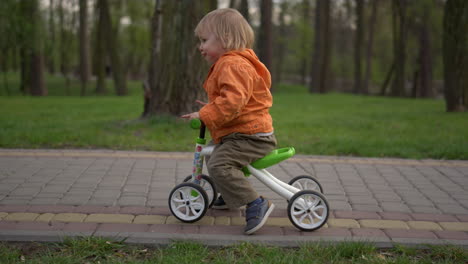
422	83
399	46
370	45
118	71
305	39
84	49
32	51
100	54
265	38
455	55
177	75
322	48
358	44
281	42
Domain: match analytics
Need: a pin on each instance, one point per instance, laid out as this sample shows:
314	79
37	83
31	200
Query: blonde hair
229	26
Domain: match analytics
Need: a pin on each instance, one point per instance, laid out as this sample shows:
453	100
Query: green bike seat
274	157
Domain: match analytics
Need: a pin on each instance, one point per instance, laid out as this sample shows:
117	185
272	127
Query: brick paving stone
233	213
134	210
46	217
109	218
69	217
7	225
14	208
356	215
221	230
329	232
394	207
122	228
39	226
206	220
462	217
458	235
367	232
267	231
21	217
190	229
395	216
389	224
238	221
2	215
291	231
345	223
454	226
425	209
434	217
92	209
165	229
80	227
399	233
159	211
278	221
149	219
222	220
424	225
366	207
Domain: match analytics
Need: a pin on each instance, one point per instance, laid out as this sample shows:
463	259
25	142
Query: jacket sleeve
235	86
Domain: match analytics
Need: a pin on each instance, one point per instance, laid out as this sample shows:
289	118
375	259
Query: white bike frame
282	189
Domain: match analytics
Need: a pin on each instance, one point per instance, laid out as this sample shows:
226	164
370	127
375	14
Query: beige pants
234	152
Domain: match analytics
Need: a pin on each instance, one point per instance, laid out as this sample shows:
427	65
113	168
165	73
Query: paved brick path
46	195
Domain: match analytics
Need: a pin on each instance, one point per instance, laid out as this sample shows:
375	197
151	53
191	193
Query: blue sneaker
256	214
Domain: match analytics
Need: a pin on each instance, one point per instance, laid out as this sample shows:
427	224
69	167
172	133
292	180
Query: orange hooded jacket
238	88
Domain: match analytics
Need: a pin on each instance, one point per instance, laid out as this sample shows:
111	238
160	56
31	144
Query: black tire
299	178
293	209
209	187
178	198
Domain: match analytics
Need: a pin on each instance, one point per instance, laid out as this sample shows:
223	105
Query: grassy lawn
330	124
98	250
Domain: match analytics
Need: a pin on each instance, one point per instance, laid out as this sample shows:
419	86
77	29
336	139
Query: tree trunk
455	55
266	34
118	72
33	56
180	68
399	46
100	53
281	42
84	46
244	10
370	46
51	43
358	43
304	39
425	57
322	49
64	43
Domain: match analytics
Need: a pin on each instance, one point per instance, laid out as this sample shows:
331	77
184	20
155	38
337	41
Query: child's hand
191	116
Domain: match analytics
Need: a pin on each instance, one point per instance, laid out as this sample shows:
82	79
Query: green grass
100	250
330	124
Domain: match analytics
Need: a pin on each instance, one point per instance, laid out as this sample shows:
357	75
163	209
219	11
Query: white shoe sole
265	218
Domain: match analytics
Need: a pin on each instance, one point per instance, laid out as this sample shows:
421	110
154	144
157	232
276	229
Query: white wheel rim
309	211
306	184
206	185
187	203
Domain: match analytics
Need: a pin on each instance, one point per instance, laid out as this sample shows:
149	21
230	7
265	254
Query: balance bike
308	209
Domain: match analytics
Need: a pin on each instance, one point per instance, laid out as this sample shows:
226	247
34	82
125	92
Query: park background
382	78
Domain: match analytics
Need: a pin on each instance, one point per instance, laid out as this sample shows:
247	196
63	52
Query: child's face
210	47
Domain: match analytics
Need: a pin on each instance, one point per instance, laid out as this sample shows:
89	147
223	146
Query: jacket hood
251	57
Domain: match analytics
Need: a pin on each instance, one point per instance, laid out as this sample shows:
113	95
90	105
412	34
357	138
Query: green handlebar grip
195	123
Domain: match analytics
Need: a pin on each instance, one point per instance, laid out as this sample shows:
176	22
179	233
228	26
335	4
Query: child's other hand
191	116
